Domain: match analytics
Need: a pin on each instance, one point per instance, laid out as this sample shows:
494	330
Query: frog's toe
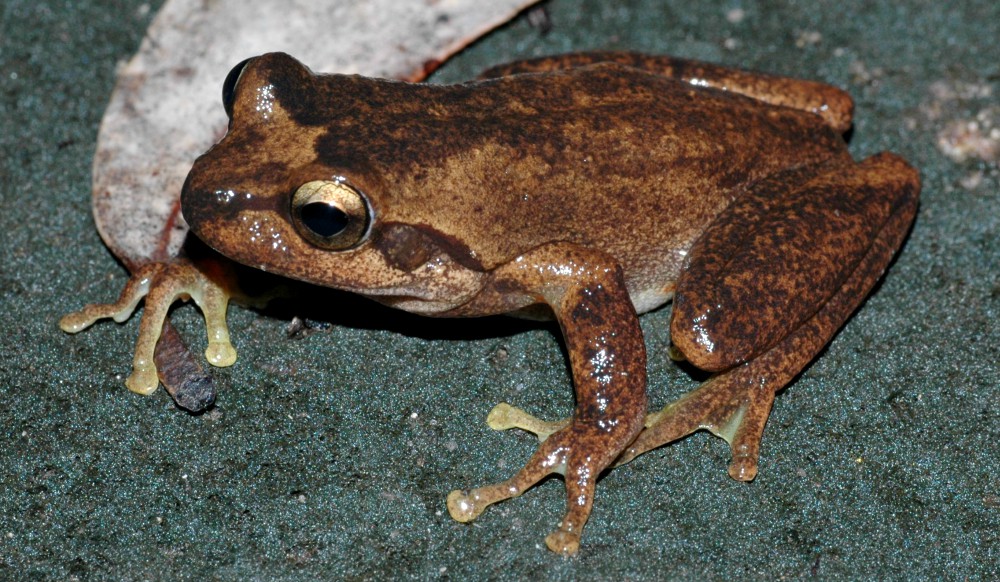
743	467
143	379
505	417
579	452
465	505
213	300
78	320
220	354
135	289
563	542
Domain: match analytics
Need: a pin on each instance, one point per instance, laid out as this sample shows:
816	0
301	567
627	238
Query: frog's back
607	156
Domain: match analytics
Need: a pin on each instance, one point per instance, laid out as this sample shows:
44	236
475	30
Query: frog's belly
651	275
650	299
651	284
644	300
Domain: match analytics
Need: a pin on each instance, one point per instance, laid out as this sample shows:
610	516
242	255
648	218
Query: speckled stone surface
329	456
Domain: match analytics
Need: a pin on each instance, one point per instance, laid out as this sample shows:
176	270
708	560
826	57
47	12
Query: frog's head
265	197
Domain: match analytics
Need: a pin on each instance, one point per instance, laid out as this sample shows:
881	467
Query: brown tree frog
587	187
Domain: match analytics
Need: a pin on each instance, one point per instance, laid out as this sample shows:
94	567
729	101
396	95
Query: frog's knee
703	344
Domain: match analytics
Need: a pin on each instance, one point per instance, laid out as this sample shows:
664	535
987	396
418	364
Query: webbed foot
725	406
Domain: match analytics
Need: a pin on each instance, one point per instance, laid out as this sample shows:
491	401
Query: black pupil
324	219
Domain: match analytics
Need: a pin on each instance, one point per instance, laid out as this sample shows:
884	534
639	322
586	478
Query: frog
588	188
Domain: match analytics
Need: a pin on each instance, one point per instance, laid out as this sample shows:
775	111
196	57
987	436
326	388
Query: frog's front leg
587	293
768	286
209	282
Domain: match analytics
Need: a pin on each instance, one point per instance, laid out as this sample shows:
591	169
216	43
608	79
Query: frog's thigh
735	403
587	293
832	104
780	252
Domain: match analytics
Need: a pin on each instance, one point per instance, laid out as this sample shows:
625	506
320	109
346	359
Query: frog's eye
229	87
330	214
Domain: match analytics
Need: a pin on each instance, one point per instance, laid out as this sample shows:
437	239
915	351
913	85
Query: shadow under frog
588	188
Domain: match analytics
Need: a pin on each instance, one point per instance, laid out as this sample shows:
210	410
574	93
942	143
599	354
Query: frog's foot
725	406
162	284
737	419
505	417
579	451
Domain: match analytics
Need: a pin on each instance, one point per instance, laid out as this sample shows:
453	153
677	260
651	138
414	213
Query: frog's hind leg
792	315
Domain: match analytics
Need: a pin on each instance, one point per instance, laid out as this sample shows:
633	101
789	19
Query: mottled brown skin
834	106
597	185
